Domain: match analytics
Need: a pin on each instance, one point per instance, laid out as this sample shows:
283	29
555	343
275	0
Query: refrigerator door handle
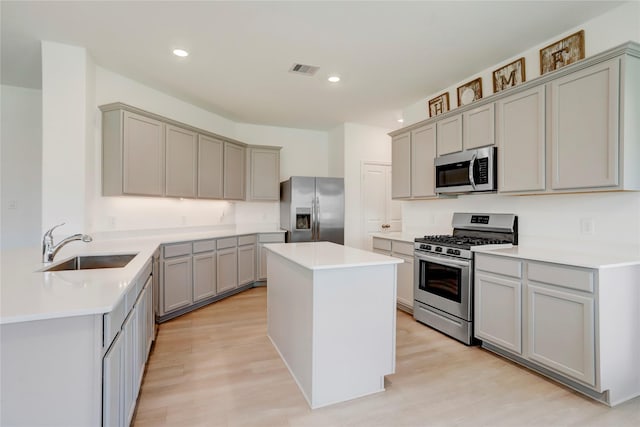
317	218
313	219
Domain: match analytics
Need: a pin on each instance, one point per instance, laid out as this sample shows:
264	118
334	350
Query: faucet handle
50	231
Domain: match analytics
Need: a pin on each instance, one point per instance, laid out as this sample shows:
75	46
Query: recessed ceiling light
180	52
400	120
334	79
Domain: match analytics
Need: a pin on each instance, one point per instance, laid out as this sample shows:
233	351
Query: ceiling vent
305	70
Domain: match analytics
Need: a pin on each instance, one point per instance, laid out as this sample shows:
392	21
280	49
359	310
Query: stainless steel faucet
49	250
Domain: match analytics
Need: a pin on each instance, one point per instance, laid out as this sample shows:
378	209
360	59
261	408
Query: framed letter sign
564	52
509	76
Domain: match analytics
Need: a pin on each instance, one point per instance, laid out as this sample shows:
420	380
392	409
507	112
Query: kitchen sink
89	262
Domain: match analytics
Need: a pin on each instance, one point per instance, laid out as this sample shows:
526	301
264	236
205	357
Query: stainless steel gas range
443	277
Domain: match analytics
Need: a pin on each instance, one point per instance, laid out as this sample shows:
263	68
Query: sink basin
89	262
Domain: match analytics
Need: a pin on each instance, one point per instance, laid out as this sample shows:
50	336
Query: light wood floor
216	367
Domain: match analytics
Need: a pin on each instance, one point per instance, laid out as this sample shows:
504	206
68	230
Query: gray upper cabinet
263	173
423	152
181	162
521	141
210	167
478	127
401	166
584	128
133	154
449	135
234	172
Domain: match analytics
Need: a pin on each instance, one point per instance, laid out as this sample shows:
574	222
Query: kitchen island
331	314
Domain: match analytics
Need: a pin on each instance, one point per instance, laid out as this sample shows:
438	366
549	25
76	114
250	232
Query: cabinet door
112	385
584	128
246	264
227	269
521	141
129	366
181	162
143	162
210	167
478	127
498	311
264	174
204	276
449	135
176	283
262	263
401	166
141	340
150	316
423	152
561	331
234	162
405	280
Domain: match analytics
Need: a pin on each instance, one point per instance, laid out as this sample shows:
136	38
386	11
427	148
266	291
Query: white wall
64	136
304	152
21	166
552	221
336	151
361	143
549	220
618	26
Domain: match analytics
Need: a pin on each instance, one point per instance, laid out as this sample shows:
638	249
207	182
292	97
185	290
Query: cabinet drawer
112	322
271	238
505	266
229	242
177	250
247	240
403	248
568	277
204	246
383	244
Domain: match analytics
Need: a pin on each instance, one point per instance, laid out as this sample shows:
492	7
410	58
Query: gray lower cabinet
405	280
204	275
569	322
123	363
227	269
177	273
262	252
246	259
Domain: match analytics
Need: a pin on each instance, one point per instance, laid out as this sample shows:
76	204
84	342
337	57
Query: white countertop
579	259
399	236
27	294
327	255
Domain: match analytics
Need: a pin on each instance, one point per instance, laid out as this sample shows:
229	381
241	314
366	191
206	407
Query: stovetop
471	230
463	242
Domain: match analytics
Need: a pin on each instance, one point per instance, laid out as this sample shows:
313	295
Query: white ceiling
389	54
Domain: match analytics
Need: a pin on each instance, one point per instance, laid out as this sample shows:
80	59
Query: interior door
378	208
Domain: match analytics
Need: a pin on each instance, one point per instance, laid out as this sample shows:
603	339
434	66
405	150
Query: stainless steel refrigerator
312	209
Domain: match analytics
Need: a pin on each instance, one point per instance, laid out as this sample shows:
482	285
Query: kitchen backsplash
581	222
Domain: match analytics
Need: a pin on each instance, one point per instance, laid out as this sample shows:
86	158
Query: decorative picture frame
469	92
509	75
439	104
561	53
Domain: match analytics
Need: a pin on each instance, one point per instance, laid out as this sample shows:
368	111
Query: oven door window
441	280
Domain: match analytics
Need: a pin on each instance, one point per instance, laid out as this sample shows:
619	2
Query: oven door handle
442	260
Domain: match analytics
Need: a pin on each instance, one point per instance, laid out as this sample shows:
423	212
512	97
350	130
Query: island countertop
327	255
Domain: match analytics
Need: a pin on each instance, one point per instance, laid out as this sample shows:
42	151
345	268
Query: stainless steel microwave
466	172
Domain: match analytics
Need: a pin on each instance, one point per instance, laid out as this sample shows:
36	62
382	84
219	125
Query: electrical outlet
13	204
587	226
183	220
112	221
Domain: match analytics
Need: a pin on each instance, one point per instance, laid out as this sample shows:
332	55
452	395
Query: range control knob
438	249
424	247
